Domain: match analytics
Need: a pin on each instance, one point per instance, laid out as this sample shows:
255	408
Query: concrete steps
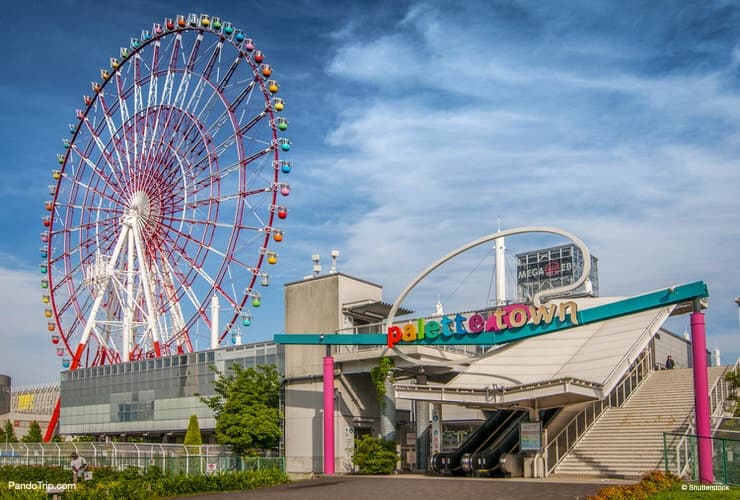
627	442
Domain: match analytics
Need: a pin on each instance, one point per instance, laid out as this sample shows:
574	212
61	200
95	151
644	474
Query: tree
733	382
192	435
375	456
246	406
9	433
34	434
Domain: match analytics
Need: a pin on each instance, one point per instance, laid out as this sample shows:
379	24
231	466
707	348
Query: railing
171	458
680	443
725	450
559	446
371	328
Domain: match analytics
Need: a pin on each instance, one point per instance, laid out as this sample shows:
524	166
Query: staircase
627	441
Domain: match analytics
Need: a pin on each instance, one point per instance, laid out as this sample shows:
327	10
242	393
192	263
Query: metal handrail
685	456
572	433
718	395
639	340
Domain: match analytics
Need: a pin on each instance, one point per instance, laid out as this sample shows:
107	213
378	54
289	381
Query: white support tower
214	321
500	270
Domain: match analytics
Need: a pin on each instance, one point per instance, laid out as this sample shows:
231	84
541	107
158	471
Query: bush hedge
651	483
130	484
375	456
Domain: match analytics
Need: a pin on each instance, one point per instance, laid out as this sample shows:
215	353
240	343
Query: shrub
192	435
132	484
375	456
651	483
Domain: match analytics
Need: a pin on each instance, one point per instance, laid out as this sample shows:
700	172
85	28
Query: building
4	394
342	304
154	397
29	404
554	267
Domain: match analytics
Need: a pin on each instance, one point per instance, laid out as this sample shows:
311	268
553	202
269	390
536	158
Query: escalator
486	461
450	462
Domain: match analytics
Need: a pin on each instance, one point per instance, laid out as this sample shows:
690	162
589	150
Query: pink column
701	397
329	415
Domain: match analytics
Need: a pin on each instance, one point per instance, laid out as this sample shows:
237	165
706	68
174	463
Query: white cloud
649	186
27	355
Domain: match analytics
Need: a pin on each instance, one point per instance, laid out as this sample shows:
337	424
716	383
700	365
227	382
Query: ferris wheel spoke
255	213
187	291
167	279
206	73
104	153
220	120
111	214
248	89
170	77
182	90
91	224
198	222
161	148
98	192
229	73
138	100
154	71
219	123
112	129
213	282
123	110
203	245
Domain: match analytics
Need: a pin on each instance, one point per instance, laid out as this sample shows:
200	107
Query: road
407	487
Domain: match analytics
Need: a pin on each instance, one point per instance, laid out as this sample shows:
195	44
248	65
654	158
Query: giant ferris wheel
165	198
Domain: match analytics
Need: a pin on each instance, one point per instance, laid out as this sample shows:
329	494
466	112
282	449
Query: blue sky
415	126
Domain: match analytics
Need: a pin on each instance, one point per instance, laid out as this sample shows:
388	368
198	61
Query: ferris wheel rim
60	232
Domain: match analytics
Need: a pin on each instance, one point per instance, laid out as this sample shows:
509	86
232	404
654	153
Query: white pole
151	310
128	333
102	287
500	271
214	321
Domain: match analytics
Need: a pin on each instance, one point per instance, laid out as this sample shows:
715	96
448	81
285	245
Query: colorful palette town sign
500	320
541	320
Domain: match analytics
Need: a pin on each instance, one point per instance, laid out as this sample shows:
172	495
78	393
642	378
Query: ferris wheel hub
140	205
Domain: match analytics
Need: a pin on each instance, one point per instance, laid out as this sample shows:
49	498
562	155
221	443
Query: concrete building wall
677	346
303	427
4	394
21	422
315	306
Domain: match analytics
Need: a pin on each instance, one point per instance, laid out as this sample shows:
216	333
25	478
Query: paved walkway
412	487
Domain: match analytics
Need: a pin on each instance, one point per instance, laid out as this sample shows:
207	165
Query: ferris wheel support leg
151	312
99	299
127	321
53	421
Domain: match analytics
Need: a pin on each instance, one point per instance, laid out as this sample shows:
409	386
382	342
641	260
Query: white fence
171	458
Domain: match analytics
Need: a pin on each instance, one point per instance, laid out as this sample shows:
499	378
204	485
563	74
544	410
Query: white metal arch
485	239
